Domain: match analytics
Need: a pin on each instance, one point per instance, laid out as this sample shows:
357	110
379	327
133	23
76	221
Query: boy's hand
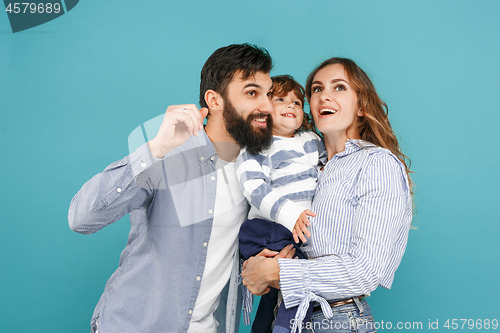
301	226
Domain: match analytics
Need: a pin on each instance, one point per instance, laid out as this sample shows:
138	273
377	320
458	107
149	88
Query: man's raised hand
179	123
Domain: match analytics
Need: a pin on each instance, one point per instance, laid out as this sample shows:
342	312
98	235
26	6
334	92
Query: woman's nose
324	96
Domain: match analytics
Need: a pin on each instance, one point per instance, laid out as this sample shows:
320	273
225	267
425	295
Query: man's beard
254	139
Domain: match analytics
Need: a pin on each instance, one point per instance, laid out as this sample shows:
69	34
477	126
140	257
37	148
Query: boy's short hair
282	85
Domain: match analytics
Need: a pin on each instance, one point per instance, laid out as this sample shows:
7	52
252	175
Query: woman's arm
377	240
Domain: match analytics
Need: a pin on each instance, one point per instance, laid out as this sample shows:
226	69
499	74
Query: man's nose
266	106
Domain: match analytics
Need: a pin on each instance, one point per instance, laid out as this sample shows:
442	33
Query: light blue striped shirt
364	210
171	203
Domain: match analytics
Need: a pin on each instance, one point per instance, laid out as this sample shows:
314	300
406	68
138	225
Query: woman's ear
214	100
360	113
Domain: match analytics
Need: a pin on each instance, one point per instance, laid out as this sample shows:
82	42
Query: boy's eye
297	103
279	99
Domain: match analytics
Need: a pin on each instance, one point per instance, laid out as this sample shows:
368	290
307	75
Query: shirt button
212	158
143	164
198	278
210	211
212	178
205	244
202	158
118	190
190	312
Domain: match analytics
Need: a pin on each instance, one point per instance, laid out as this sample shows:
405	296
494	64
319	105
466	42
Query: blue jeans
346	319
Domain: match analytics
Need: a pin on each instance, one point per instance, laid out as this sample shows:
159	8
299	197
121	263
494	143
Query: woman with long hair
363	204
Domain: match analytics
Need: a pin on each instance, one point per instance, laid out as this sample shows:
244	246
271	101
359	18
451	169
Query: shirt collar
206	149
351	146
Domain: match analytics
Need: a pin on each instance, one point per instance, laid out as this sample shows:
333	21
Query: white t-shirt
229	213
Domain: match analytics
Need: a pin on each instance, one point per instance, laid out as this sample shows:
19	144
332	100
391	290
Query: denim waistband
358	303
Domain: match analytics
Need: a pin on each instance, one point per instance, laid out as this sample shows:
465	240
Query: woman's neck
335	144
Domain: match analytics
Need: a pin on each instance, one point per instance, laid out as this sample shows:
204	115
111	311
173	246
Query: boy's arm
253	172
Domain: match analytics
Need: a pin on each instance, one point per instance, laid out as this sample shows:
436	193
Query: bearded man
179	269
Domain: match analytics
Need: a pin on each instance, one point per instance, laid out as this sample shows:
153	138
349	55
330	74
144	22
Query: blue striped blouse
364	210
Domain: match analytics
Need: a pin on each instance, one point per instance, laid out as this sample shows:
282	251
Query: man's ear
214	100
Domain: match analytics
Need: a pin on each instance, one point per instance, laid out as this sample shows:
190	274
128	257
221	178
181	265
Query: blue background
73	89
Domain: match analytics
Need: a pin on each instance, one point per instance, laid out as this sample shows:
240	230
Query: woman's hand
262	271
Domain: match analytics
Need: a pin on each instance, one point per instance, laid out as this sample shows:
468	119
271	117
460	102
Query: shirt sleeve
377	240
122	187
253	172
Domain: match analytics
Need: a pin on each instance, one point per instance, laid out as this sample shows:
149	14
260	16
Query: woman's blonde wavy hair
374	126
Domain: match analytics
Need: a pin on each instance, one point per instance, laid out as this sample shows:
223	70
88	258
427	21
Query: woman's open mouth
327	112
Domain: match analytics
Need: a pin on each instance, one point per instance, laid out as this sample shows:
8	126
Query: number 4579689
471	324
22	7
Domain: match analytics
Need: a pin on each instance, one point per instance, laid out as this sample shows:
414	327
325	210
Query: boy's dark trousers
256	235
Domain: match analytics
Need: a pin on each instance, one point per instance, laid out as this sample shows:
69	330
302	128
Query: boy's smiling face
287	114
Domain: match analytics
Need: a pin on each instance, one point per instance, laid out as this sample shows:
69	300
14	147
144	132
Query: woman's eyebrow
332	81
338	80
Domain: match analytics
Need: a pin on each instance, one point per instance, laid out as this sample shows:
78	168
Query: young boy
279	183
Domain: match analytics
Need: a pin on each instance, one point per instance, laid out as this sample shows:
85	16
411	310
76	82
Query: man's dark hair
220	67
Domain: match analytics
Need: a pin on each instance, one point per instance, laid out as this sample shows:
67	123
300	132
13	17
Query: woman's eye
316	89
340	87
251	93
